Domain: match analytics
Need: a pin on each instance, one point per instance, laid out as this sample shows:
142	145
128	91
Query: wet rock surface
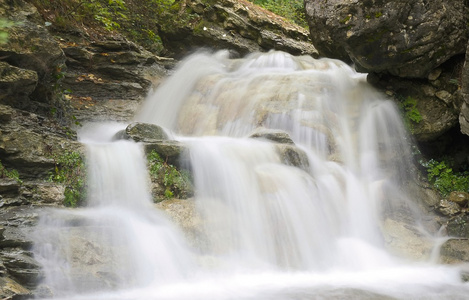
231	24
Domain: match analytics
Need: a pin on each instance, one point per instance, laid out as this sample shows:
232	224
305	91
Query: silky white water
325	217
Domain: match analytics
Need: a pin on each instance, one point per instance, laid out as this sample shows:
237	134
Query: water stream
313	218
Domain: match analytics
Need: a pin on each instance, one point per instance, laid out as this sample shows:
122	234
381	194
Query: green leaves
176	183
411	114
444	179
12	174
71	172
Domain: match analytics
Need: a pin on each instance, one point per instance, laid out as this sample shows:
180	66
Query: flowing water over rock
320	225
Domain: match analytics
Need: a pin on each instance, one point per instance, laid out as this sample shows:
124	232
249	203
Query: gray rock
230	24
455	251
277	136
460	198
31	47
293	156
458	226
401	37
143	132
21	266
448	208
16	85
174	152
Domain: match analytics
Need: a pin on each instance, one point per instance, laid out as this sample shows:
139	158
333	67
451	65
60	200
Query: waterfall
313	216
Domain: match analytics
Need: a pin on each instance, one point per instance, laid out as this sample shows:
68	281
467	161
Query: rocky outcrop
464	114
411	48
403	38
30	59
105	80
237	25
437	98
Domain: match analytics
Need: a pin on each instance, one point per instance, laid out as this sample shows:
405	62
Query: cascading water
301	219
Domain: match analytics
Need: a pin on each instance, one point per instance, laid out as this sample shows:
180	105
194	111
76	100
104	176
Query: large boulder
401	37
237	25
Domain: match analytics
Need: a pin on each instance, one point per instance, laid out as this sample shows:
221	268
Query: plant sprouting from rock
11	174
444	179
411	113
70	171
175	183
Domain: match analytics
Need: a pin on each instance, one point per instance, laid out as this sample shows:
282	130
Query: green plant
70	171
292	10
12	174
176	183
444	179
4	34
411	113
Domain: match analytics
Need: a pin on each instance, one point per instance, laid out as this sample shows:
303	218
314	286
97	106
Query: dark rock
143	132
21	266
464	114
16	85
172	151
277	136
455	251
230	24
401	37
293	156
458	226
31	47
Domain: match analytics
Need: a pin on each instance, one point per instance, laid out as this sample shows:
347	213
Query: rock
448	208
406	241
230	24
455	251
185	215
437	102
464	114
6	114
32	50
403	38
21	266
277	136
458	226
293	156
174	152
16	85
460	198
10	289
143	132
29	142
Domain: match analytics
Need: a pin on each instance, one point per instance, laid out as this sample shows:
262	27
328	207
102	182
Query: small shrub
70	171
176	183
444	179
411	114
12	174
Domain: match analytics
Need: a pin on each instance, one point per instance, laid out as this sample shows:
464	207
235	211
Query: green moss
411	114
378	14
346	19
